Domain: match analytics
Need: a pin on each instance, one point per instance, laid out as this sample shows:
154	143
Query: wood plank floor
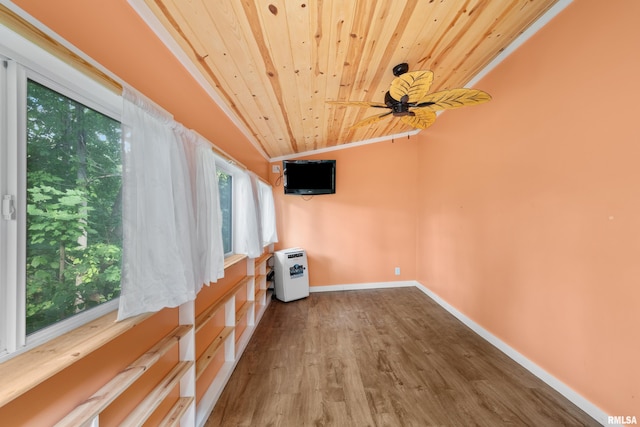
386	357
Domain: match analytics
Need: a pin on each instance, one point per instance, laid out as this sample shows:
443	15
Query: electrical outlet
275	168
397	271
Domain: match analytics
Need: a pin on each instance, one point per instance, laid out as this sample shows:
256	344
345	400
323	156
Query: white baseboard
361	286
582	403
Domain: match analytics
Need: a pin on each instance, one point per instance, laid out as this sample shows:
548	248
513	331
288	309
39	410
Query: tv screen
309	176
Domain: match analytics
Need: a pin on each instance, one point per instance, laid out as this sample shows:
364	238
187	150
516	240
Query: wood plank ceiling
274	63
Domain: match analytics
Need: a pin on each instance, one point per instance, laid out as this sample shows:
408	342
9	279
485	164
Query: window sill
233	259
27	370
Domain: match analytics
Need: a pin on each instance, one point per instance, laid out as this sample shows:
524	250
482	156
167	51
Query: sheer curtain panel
267	213
158	212
247	239
208	214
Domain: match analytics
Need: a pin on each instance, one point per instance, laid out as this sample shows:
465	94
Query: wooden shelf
260	294
177	411
240	317
242	311
207	356
211	311
26	371
91	407
233	259
144	410
262	258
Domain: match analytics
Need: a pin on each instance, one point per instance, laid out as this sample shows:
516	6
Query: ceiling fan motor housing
398	108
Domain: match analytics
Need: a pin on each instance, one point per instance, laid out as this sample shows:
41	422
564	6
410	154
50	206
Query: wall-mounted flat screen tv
309	176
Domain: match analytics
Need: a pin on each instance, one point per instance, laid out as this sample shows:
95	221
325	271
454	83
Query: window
60	164
225	189
74	187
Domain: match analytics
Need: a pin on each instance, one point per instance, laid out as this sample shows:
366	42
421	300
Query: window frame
33	63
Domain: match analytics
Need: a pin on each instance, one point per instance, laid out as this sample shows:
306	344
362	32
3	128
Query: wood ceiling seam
275	35
479	42
426	38
341	12
261	89
252	15
200	60
300	36
444	44
320	51
454	46
250	78
221	22
364	14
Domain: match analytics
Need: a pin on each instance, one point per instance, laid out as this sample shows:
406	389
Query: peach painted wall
529	216
112	33
365	230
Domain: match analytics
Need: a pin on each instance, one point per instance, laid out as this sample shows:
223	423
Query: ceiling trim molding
346	146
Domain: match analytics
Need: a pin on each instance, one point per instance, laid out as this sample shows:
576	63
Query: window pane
225	190
74	232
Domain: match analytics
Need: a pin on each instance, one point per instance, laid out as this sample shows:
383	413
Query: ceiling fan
408	98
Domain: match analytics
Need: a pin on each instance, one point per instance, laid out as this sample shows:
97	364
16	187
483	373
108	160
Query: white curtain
172	221
267	213
208	214
209	252
247	239
158	218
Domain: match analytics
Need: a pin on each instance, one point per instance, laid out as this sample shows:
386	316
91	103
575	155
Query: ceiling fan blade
370	120
415	84
453	98
422	119
358	104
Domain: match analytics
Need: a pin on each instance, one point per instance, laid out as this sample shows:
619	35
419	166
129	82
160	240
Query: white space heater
291	274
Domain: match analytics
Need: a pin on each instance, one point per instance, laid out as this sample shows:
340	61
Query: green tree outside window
74	188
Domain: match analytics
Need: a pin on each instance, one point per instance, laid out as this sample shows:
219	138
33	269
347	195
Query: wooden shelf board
95	404
207	356
27	370
242	311
233	259
177	411
260	294
262	258
143	411
210	311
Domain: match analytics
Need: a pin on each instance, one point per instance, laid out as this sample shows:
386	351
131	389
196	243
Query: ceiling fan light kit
409	99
